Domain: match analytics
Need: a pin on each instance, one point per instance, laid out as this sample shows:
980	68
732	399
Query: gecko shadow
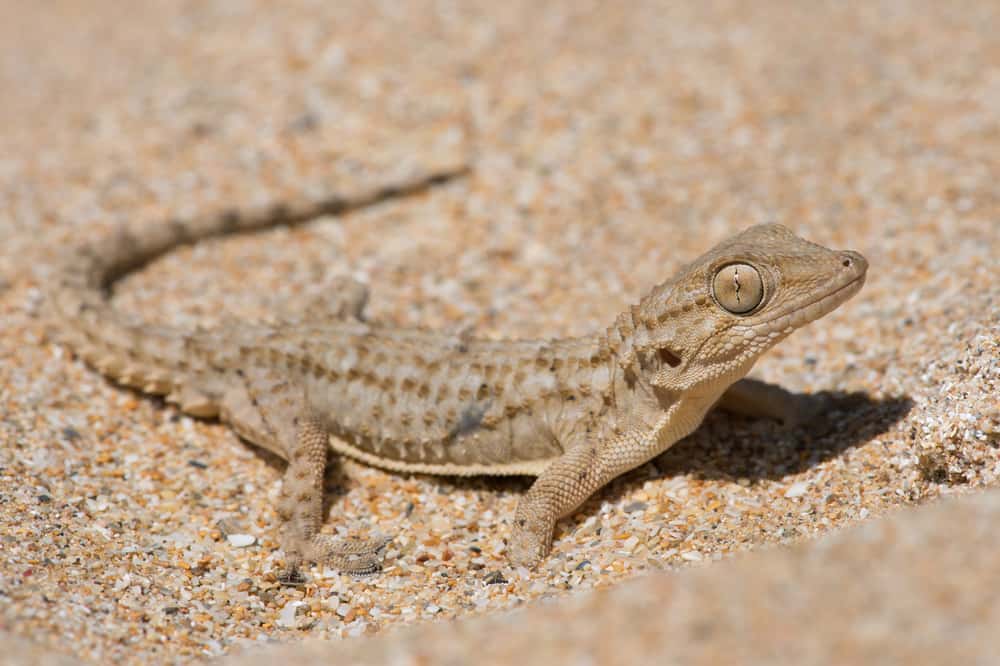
730	447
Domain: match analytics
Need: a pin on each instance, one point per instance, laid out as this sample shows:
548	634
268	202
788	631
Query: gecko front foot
531	539
755	398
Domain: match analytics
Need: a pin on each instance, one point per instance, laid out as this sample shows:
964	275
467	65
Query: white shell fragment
241	540
797	489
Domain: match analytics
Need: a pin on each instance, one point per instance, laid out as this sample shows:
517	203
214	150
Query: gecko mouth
802	314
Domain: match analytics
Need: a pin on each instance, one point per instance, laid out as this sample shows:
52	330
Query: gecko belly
518	468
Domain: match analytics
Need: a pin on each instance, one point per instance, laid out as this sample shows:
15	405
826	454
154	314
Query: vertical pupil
736	283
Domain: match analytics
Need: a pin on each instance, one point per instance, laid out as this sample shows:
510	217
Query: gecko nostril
846	263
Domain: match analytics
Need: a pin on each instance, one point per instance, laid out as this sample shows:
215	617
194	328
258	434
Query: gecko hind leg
266	411
301	506
345	299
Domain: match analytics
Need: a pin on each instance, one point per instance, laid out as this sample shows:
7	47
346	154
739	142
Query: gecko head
722	311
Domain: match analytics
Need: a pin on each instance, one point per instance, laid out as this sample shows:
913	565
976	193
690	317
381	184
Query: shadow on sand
731	447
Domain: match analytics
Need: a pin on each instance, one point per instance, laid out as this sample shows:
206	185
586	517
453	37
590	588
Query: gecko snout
854	262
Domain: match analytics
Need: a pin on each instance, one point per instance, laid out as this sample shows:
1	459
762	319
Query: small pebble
633	507
287	616
797	489
495	578
241	540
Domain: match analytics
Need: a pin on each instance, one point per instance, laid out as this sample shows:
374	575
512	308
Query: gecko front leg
753	397
573	477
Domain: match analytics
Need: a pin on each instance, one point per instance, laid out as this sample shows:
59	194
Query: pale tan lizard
574	412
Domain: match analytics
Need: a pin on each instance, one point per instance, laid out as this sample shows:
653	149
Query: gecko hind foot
345	299
357	556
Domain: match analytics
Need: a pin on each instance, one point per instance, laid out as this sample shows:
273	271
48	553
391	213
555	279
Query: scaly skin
575	413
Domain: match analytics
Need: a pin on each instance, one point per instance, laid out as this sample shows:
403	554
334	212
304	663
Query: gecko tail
159	359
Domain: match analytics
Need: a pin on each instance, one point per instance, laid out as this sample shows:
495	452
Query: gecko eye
738	288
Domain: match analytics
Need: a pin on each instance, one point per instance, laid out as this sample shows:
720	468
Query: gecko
575	413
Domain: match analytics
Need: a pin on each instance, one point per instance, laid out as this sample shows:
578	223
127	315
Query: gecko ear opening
666	376
668	357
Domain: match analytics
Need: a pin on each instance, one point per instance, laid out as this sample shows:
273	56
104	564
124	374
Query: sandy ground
902	589
607	145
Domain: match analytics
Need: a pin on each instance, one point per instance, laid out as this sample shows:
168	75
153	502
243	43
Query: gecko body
574	412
